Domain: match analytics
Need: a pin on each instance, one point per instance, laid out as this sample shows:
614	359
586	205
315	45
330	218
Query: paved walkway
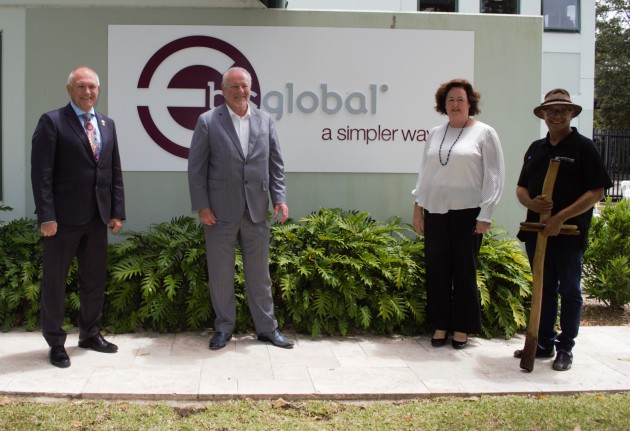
181	367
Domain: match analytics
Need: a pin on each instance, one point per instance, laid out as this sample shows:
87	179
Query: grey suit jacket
221	178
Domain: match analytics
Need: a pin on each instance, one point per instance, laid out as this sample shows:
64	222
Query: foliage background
612	65
333	272
607	258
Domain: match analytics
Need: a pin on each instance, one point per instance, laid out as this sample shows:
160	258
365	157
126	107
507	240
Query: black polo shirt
586	172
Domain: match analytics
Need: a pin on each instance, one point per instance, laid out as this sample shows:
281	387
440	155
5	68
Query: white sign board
344	99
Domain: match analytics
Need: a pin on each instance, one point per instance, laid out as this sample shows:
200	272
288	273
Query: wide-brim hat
557	97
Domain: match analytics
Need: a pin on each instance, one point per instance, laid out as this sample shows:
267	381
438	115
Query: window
499	6
561	15
437	5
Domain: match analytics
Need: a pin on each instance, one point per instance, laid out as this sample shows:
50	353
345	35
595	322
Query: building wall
13	50
41	46
568	58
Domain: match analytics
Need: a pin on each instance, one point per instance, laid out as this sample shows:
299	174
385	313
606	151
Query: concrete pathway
181	367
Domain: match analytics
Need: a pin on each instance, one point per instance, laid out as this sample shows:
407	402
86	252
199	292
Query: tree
612	65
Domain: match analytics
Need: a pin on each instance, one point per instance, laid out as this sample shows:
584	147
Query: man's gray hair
239	69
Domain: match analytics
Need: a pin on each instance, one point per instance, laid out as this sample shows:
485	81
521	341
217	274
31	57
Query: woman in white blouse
460	183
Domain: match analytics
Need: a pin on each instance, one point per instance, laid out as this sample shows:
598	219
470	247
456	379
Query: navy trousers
563	276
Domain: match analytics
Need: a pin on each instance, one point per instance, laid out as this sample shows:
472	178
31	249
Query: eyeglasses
551	111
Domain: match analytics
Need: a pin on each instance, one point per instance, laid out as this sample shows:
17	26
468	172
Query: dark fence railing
614	148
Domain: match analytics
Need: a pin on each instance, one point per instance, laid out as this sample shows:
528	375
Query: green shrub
158	279
606	265
504	280
332	272
342	270
20	274
21	250
4	208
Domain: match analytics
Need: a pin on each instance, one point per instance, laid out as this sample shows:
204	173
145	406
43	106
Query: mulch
595	313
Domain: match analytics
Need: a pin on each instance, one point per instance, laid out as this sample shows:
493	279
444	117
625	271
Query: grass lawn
592	411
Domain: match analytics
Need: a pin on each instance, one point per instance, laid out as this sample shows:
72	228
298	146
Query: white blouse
473	174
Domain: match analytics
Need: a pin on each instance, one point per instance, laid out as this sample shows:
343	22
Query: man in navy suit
234	166
78	190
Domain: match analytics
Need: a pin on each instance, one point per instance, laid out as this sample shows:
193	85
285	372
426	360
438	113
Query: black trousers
451	252
89	244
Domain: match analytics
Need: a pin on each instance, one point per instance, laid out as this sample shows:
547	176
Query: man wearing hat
580	184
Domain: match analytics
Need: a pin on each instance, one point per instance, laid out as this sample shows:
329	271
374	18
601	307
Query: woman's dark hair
473	96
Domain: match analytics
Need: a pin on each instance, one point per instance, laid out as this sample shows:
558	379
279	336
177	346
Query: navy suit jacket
222	178
69	185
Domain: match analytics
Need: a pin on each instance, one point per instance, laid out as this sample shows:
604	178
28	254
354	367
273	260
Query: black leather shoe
59	357
438	342
276	338
219	340
99	344
459	344
540	352
563	361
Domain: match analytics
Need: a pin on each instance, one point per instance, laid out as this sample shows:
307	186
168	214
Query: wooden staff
565	229
531	338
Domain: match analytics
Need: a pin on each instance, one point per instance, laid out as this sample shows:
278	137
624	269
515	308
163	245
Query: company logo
185	71
202	77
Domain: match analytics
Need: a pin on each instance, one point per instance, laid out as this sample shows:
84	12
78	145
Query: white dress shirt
241	124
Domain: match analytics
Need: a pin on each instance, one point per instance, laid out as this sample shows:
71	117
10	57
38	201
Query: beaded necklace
448	156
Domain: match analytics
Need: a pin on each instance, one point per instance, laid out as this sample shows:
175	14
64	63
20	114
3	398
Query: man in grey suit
234	166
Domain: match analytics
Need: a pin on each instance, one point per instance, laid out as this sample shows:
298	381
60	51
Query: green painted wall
508	64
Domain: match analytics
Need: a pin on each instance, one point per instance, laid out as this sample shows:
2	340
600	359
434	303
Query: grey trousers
222	239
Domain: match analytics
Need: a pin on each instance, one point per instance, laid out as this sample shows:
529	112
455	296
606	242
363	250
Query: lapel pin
103	123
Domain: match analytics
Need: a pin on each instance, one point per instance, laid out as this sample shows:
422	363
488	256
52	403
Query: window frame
517	12
578	26
456	6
